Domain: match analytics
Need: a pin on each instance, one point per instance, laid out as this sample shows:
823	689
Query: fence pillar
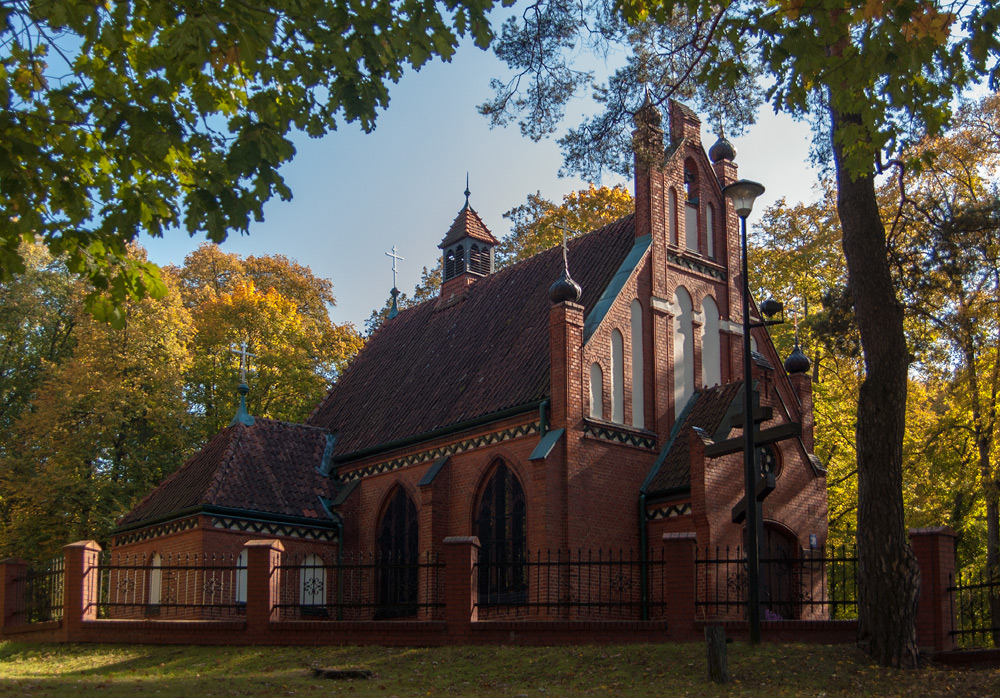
10	570
680	579
80	587
263	585
461	586
934	549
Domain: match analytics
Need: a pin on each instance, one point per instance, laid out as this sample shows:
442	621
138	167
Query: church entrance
778	553
397	559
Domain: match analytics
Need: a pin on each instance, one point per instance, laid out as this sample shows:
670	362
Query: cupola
468	251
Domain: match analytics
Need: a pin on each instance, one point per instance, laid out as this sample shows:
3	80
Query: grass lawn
634	670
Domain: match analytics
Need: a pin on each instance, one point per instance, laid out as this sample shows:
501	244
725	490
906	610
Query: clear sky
356	195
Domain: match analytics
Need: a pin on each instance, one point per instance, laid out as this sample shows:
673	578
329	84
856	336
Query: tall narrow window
617	377
500	525
683	349
596	391
672	213
691	227
241	577
459	260
449	265
398	558
312	585
155	582
711	355
710	231
638	402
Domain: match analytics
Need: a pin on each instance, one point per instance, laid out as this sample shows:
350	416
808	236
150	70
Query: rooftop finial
393	309
395	257
467	192
242	416
565	288
797	361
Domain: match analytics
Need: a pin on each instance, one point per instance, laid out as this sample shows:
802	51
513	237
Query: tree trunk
888	577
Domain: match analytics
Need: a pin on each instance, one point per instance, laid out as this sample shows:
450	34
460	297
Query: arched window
691	208
617	377
449	265
500	525
459	260
596	391
672	213
638	402
479	259
241	577
155	583
312	585
710	231
711	353
683	348
397	558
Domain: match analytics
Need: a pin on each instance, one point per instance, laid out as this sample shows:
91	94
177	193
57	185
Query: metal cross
394	258
565	230
244	355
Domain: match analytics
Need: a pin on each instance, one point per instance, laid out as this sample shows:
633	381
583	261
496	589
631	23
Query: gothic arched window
397	558
312	585
479	259
459	260
449	264
501	526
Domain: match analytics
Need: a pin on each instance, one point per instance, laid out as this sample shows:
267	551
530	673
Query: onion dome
565	289
797	361
722	150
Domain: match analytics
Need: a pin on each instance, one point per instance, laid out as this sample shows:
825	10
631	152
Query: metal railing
363	586
180	586
601	585
38	595
816	584
975	609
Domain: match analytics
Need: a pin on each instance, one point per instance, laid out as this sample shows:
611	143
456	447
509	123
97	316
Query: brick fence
260	623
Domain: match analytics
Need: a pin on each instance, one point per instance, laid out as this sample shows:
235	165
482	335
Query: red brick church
562	403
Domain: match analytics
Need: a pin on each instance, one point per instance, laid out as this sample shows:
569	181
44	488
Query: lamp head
743	193
771	307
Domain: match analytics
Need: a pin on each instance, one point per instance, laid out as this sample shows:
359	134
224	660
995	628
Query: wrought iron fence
38	595
975	609
810	585
613	585
363	586
174	586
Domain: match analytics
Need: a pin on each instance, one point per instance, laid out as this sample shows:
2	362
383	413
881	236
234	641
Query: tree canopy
124	118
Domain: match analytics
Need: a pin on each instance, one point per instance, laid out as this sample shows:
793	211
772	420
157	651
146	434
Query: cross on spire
244	355
394	258
565	249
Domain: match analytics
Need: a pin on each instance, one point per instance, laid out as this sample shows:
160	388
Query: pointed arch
501	524
711	349
683	348
617	377
638	399
672	215
596	391
397	556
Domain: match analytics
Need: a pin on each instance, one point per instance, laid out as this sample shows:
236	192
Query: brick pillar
10	570
80	587
461	584
565	359
263	585
679	551
935	552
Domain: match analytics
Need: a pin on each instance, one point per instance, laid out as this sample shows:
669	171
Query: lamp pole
743	194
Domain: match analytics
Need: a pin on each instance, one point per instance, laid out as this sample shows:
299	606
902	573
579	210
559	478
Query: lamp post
743	193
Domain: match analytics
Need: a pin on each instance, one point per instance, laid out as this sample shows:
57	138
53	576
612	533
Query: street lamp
743	193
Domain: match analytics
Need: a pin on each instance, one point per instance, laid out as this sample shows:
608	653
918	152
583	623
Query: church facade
575	400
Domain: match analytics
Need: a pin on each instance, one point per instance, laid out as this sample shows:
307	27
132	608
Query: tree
279	309
124	118
874	76
535	222
428	287
105	425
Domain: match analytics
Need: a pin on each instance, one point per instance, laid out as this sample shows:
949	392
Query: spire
242	416
565	289
467	192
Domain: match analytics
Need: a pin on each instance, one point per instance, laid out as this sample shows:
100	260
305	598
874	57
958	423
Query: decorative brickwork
155	531
621	436
270	528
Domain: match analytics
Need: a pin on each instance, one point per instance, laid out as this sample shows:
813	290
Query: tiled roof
269	467
468	223
427	368
706	409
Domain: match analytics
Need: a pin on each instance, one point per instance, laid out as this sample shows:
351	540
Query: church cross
394	258
565	230
244	355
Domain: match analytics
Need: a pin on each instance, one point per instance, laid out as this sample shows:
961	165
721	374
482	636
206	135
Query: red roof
269	467
706	409
468	224
427	368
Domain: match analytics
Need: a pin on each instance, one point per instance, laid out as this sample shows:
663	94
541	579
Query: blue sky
356	195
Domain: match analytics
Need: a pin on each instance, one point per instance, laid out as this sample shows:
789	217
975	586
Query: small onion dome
722	150
797	362
565	289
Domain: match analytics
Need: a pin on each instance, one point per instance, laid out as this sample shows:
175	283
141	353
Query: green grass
635	670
